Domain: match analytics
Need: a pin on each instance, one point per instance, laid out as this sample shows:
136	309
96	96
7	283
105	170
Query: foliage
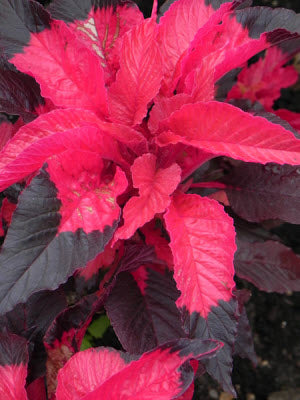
132	135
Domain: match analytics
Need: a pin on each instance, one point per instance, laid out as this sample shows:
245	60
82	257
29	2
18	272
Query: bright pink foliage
128	109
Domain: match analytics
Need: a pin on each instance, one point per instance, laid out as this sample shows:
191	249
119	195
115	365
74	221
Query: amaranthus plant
129	136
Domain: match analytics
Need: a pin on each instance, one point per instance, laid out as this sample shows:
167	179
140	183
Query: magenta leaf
68	72
59	131
202	243
13	367
46	223
263	80
142	310
269	265
233	133
138	79
132	379
270	191
155	187
203	258
101	25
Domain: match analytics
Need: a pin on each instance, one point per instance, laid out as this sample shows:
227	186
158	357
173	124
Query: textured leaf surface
142	310
270	266
139	379
39	256
68	72
155	187
101	25
138	80
226	130
202	243
177	29
220	324
271	191
58	131
13	367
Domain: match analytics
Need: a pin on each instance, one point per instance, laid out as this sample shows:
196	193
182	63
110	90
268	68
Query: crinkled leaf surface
141	379
58	227
138	79
269	265
142	310
155	187
270	191
202	243
226	130
203	246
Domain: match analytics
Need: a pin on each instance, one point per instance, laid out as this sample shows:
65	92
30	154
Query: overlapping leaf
13	367
155	187
202	243
62	221
270	191
138	79
142	310
112	374
269	265
226	130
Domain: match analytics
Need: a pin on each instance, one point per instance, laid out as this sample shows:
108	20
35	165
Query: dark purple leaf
269	265
39	257
259	192
220	324
142	310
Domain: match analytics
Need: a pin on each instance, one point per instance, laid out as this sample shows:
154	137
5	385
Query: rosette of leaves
119	122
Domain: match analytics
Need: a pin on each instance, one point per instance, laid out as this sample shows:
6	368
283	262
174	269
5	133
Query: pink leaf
87	201
138	80
68	72
177	29
106	373
155	186
102	29
203	246
13	367
223	129
263	80
59	130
